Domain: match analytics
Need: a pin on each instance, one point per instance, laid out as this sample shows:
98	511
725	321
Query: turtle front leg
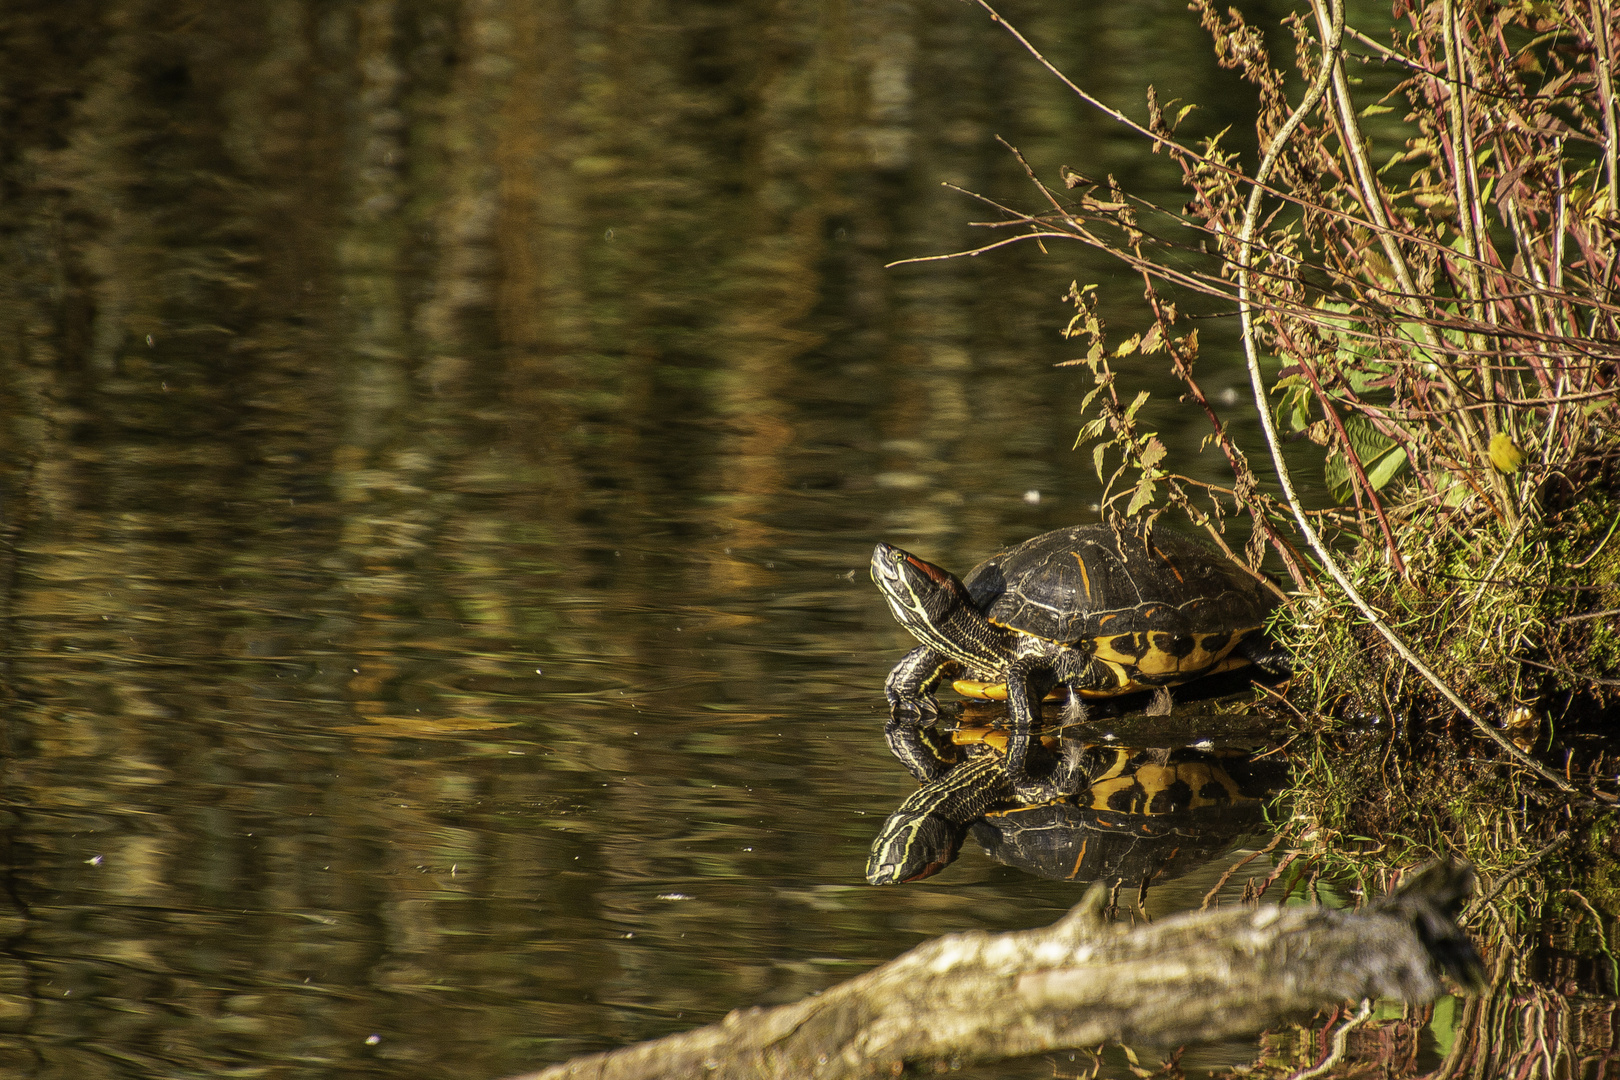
1028	681
910	690
1266	654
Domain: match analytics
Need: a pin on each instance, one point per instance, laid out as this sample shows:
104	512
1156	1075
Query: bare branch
1080	983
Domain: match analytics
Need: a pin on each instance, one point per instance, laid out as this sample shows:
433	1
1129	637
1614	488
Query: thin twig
1590	615
1382	229
1240	864
1598	679
1512	872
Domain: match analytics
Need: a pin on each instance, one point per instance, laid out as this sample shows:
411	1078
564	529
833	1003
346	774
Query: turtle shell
1071	843
1149	814
1163	607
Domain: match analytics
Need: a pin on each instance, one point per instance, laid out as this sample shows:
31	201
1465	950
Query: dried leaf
1153	340
1073	179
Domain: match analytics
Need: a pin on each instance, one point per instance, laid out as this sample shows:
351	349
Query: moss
1390	774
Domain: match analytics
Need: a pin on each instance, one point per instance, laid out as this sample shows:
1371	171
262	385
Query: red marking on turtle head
928	871
935	574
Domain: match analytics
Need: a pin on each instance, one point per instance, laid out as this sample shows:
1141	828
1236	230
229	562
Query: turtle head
913	845
921	595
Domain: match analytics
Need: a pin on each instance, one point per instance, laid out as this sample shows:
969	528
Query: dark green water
442	446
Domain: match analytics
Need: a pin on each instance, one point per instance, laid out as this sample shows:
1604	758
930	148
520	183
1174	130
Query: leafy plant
1426	282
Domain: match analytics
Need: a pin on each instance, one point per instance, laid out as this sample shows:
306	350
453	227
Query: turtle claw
914	712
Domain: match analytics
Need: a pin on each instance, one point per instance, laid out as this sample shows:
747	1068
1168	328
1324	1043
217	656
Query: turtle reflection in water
1101	612
1147	814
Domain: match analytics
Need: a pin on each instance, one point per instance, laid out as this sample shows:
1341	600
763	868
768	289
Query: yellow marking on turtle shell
1229	663
1164	559
1199	775
1122	758
1143	783
1152	779
1081	858
1157	661
1161	775
1130	685
1125	667
989	691
1085	578
1104	788
1202	656
993	737
1109	652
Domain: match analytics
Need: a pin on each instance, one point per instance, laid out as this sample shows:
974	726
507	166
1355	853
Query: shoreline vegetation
1424	262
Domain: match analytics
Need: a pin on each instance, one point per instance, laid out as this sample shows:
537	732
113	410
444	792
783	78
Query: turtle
1099	611
1145	813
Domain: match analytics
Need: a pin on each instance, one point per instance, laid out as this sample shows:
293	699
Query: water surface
443	442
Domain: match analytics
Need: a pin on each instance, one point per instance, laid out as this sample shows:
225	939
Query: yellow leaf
1505	454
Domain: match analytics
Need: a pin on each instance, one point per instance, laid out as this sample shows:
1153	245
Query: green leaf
1143	497
1336	472
1338	309
1381	459
1363	373
1296	404
1383	470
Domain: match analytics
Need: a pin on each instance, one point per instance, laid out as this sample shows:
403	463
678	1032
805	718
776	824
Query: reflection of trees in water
1507	1031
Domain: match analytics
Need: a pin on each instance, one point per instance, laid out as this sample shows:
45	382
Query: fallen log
1081	982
